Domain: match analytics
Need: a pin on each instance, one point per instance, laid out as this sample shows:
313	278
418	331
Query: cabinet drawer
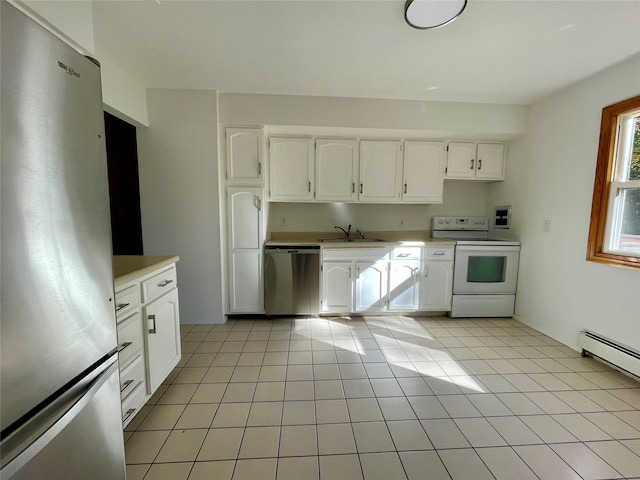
406	253
127	300
375	253
159	284
131	405
130	339
438	253
131	376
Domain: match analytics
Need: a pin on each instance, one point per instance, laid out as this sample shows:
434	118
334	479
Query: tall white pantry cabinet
245	219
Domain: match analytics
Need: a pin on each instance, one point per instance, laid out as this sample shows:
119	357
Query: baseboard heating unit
615	353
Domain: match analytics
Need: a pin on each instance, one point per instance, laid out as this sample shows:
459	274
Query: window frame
602	186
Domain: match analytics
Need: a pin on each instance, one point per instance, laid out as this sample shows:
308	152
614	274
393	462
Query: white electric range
485	271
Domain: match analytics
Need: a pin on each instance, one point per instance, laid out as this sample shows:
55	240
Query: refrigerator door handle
56	422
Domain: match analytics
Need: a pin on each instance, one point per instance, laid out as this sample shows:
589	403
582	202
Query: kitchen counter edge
130	267
362	244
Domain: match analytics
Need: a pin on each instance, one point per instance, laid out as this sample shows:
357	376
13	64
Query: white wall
442	118
123	95
460	197
72	21
550	175
179	195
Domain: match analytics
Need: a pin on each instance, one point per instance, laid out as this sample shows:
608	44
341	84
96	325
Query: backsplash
460	198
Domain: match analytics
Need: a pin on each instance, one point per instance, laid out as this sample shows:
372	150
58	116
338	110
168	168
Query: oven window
486	269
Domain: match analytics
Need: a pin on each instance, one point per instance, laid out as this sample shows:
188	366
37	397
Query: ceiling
514	52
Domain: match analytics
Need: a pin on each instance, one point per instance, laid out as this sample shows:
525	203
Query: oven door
486	269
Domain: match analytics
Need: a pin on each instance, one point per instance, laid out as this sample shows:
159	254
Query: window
614	233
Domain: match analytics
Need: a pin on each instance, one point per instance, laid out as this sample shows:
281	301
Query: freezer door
78	437
56	283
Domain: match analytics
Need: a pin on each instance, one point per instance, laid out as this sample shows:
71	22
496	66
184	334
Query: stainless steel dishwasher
292	280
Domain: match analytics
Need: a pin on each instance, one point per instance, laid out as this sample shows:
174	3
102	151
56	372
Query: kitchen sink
358	240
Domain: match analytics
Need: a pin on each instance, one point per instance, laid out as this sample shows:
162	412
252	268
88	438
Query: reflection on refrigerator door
81	438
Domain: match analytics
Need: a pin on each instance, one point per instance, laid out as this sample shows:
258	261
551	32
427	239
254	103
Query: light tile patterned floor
386	398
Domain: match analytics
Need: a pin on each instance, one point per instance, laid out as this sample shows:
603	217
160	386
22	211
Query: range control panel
460	223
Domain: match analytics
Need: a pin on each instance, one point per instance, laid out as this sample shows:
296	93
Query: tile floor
386	398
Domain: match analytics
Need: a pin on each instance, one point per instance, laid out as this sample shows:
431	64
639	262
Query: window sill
613	259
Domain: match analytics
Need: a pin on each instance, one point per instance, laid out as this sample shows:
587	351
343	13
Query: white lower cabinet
401	279
436	279
147	312
337	292
403	285
163	337
245	219
371	286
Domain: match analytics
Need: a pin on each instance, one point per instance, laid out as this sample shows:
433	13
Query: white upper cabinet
336	170
380	171
479	161
244	156
490	161
291	171
423	175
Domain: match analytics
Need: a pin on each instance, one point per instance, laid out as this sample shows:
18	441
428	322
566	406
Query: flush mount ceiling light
424	14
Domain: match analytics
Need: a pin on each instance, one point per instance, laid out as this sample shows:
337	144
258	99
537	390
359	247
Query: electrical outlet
546	226
283	221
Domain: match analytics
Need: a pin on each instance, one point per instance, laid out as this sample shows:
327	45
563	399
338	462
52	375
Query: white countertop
391	239
130	267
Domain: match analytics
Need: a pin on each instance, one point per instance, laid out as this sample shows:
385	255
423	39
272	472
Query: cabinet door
423	173
244	156
163	338
291	169
435	285
490	161
246	238
245	282
245	218
371	286
403	285
461	160
336	287
336	170
380	171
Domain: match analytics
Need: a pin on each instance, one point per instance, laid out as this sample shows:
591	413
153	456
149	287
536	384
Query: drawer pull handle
123	346
153	319
125	385
438	254
401	255
165	283
120	306
128	414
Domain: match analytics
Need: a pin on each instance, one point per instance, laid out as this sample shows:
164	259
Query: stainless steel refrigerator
60	398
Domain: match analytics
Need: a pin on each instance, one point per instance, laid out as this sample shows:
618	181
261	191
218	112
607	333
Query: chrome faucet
361	233
347	232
